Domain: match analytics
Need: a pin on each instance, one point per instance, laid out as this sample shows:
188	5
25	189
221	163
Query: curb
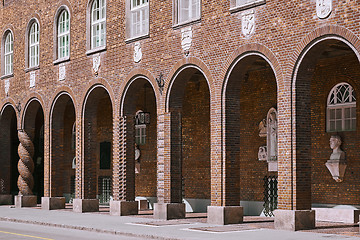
82	228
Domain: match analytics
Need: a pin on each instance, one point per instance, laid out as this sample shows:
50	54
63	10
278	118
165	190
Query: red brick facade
203	139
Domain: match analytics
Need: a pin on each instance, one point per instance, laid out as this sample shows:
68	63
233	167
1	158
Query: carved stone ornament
186	39
323	8
248	23
62	73
272	138
7	86
337	162
137	52
32	79
137	159
262	154
96	64
262	128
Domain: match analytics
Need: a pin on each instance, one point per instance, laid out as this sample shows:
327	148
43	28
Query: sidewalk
193	227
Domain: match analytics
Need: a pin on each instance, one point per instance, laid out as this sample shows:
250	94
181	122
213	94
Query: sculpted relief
323	8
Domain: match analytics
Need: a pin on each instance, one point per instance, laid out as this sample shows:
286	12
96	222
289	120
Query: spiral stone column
26	168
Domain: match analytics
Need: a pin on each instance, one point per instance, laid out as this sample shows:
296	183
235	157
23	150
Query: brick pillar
79	171
47	172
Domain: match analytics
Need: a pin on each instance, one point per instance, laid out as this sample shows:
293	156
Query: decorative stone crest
62	73
337	162
186	39
248	23
323	8
272	130
137	52
7	86
137	159
32	79
96	64
262	154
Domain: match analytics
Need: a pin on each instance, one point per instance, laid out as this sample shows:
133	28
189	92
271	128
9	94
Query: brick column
169	195
124	168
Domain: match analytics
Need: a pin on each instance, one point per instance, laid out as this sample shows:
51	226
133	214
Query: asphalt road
20	231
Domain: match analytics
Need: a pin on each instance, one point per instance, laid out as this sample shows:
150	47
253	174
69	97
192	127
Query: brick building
171	100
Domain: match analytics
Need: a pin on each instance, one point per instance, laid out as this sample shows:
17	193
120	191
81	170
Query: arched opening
189	106
62	156
139	108
9	143
328	66
34	127
98	136
250	135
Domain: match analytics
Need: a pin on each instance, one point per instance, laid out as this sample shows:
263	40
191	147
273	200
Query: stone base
143	204
85	205
169	211
294	220
223	215
52	203
6	199
337	215
25	201
123	208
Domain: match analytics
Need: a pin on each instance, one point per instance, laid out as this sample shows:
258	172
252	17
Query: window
8	53
242	4
341	108
140	134
34	45
139	18
63	37
98	20
188	10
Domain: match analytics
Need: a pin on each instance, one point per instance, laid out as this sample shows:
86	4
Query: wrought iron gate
104	189
270	195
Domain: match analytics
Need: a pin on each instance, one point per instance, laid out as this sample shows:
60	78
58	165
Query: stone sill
96	50
32	69
138	38
247	6
7	76
185	24
61	60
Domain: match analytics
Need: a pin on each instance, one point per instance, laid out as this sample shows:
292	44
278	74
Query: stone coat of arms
248	23
323	8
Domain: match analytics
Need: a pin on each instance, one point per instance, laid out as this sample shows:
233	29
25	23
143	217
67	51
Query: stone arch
62	146
250	89
9	143
320	50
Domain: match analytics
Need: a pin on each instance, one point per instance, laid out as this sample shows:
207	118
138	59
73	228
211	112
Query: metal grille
270	195
105	189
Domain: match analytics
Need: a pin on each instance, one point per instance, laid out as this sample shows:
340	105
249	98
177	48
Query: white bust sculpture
335	143
336	164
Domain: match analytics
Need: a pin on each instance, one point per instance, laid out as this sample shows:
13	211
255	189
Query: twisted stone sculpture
26	164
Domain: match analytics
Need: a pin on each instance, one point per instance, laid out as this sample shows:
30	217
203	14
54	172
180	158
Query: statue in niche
137	159
262	128
272	137
337	162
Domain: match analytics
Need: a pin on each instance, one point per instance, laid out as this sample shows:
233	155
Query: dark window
105	155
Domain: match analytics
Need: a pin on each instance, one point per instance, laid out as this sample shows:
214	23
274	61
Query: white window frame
140	134
192	15
34	45
141	9
63	38
344	104
98	37
236	5
8	53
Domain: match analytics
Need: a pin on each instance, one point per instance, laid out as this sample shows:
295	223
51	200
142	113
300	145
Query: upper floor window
188	10
241	4
139	18
98	21
8	53
341	108
34	45
63	38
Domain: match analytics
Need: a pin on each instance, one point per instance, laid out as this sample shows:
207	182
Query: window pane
338	113
338	125
332	126
347	113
